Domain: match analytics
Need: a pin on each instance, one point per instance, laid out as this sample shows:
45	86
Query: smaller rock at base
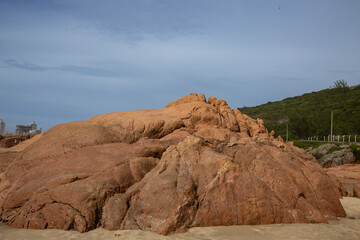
356	191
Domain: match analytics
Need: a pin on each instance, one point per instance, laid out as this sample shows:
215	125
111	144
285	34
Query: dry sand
345	229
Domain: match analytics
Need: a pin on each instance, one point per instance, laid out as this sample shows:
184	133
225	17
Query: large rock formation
194	163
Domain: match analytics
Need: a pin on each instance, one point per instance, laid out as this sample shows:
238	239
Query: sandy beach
345	229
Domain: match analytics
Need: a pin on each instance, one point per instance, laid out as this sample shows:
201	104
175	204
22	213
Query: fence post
349	138
343	138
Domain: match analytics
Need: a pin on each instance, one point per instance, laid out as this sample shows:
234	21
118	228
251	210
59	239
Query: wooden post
331	127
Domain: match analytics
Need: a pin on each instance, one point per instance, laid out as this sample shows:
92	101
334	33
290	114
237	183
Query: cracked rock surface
193	163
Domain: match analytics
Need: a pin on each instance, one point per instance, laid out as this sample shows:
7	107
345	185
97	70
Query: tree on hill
341	84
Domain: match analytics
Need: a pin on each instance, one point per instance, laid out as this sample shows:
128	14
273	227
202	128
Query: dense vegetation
309	114
307	144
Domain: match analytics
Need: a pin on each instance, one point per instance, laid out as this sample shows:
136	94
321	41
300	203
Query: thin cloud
343	71
24	65
286	78
88	71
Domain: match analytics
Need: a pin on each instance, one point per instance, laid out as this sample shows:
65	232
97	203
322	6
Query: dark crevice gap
301	195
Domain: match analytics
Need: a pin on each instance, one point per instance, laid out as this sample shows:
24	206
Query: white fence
334	138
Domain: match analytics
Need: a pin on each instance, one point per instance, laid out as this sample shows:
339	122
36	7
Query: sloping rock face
194	163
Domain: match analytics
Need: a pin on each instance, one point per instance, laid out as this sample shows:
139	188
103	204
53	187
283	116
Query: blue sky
67	60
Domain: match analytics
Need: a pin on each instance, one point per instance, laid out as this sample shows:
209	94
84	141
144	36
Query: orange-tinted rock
342	192
347	173
193	97
193	163
356	191
114	212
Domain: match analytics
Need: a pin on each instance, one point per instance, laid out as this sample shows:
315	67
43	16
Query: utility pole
331	131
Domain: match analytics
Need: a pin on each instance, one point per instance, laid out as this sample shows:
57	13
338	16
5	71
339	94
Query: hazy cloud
88	71
25	65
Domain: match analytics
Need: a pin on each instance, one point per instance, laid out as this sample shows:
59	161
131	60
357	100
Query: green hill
309	114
